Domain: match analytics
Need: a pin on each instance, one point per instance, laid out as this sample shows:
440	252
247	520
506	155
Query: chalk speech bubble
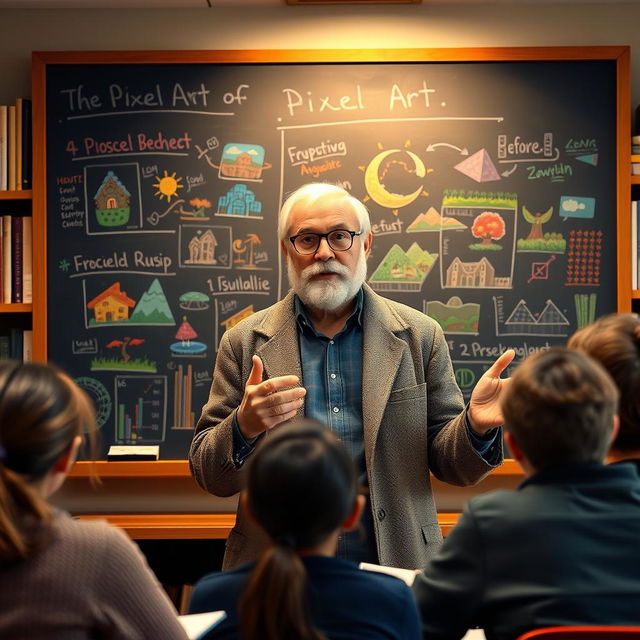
577	207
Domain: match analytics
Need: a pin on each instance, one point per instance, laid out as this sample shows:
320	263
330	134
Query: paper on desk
408	575
197	624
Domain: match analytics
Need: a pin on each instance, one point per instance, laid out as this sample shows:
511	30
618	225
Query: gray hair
309	194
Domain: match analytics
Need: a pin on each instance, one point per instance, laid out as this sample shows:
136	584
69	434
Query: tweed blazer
413	421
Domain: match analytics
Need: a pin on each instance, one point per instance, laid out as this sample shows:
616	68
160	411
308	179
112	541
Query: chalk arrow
508	172
433	147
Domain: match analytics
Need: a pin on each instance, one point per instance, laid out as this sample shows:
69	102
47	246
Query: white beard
331	294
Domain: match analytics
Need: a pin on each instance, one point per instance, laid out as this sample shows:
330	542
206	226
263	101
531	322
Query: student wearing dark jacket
562	548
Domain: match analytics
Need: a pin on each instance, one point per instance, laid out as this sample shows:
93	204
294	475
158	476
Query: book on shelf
27	345
11	148
634	244
15	145
4	141
16	259
18	345
6	259
27	260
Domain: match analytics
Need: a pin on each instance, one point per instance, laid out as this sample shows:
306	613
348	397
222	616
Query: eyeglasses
338	240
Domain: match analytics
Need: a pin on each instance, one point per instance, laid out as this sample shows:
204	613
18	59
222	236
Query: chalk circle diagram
99	396
377	170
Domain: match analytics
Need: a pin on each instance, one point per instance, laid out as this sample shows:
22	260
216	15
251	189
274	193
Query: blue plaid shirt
332	377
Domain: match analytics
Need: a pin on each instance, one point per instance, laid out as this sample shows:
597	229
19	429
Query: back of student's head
614	341
41	412
559	407
301	486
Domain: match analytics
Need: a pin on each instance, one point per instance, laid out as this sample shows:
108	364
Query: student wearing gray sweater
59	577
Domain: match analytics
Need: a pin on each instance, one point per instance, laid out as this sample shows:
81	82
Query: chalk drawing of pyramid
479	167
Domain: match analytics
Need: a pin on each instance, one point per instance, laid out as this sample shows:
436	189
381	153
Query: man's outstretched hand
267	403
484	407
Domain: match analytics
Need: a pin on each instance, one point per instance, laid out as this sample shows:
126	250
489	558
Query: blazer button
381	514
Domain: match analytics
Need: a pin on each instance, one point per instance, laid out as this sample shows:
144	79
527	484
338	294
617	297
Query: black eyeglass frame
353	234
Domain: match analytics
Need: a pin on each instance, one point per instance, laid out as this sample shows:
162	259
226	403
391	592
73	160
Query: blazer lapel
381	358
280	354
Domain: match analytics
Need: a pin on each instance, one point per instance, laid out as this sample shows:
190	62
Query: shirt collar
303	320
580	473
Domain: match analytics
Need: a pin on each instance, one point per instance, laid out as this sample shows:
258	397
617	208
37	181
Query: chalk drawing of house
112	305
474	274
112	202
202	249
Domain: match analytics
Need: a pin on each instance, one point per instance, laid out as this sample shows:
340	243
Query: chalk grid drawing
460	268
239	202
141	409
403	270
113	199
584	258
204	246
549	322
454	316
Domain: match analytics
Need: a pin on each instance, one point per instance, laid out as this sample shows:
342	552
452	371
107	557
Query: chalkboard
491	185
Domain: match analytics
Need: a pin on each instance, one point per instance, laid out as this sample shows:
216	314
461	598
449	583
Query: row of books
18	345
635	154
635	228
16	270
15	145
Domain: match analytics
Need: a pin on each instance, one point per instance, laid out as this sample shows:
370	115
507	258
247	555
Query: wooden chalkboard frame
41	60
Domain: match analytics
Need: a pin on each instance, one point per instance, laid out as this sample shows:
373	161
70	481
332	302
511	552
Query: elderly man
376	371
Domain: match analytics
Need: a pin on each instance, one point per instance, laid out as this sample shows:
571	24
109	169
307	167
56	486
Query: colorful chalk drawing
99	395
239	202
111	307
115	193
246	256
550	321
183	416
459	263
432	221
125	362
141	409
187	345
479	167
394	169
577	207
233	320
537	241
584	258
194	301
585	308
403	271
203	246
196	213
241	161
583	149
488	226
454	316
540	270
168	186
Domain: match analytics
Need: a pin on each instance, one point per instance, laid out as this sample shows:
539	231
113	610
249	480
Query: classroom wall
283	27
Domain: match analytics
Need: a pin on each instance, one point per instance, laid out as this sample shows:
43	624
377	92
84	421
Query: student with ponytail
59	577
614	341
301	489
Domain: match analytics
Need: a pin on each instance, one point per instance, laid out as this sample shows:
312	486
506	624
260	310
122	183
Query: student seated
301	488
562	548
59	577
614	341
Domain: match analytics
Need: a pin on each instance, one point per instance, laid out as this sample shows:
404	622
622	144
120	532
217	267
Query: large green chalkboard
491	186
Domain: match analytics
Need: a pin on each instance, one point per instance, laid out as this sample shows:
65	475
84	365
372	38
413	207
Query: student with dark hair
614	341
301	489
59	577
562	549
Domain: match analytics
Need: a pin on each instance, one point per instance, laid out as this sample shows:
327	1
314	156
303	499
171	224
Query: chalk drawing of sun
167	186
